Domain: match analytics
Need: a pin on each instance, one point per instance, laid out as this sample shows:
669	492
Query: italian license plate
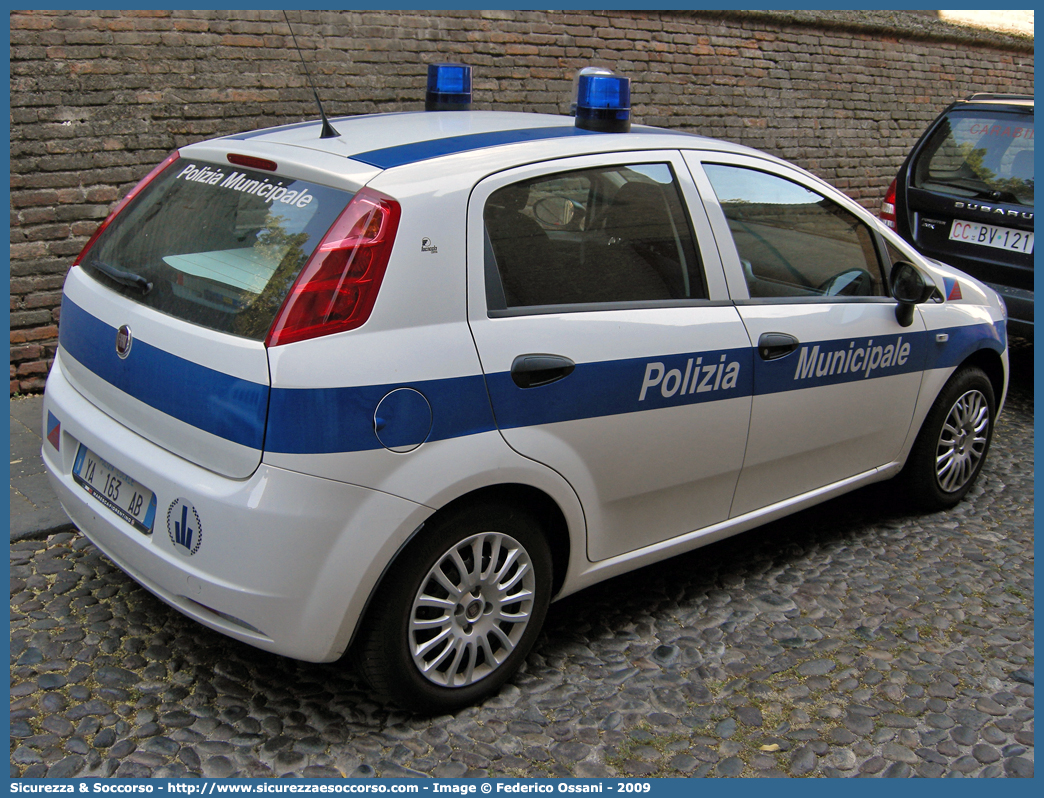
988	235
122	494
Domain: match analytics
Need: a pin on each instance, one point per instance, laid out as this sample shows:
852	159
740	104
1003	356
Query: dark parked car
964	195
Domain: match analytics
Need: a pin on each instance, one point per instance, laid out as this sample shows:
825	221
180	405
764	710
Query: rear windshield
985	155
220	246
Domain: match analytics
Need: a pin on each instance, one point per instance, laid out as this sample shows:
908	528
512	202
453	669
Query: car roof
386	141
1011	100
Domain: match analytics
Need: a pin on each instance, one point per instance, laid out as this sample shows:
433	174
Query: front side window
979	155
218	246
793	242
604	235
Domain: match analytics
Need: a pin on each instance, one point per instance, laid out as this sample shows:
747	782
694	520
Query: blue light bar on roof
449	88
603	103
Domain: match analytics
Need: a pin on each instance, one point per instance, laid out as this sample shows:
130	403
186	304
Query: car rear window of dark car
221	246
980	154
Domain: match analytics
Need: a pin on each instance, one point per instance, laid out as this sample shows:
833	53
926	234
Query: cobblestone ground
850	640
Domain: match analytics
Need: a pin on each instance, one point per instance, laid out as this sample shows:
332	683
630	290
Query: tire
953	442
459	611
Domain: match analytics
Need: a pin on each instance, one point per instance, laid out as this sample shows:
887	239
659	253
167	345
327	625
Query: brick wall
99	97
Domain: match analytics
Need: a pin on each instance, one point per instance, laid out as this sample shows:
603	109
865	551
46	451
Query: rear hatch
164	321
969	195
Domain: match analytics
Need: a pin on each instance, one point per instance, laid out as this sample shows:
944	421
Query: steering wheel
851	282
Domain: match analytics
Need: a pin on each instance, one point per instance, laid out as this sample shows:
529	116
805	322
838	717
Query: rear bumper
1019	303
285	562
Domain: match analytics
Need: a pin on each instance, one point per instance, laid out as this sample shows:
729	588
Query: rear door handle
774	345
532	371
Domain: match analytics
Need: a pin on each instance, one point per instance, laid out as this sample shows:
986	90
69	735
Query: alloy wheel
962	441
472	609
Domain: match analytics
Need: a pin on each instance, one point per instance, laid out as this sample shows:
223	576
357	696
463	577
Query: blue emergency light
449	88
603	102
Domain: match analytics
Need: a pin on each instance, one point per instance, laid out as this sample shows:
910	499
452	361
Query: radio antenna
328	130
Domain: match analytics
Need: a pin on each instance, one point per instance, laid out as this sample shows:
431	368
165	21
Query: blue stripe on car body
218	403
341	419
962	341
329	420
833	362
613	387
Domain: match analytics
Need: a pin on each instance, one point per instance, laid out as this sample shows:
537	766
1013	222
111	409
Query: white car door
609	347
836	376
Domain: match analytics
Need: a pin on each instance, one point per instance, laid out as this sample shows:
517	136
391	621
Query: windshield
215	245
980	154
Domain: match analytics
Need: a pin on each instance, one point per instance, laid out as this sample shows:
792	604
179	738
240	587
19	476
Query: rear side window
793	242
979	155
613	234
220	246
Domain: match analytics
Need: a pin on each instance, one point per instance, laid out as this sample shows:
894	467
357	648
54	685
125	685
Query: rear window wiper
981	190
129	279
1005	196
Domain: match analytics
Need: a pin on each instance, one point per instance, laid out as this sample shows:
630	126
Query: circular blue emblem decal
184	527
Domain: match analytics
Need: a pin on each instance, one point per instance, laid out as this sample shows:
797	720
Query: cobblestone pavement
850	640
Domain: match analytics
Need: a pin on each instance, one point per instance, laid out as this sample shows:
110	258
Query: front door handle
774	345
532	371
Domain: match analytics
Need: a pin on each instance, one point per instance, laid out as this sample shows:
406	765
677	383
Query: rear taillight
252	162
123	203
338	286
887	213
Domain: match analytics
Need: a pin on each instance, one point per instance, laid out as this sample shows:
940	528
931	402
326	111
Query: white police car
398	388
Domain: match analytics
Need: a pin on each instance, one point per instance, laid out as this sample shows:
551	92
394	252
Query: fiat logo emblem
124	339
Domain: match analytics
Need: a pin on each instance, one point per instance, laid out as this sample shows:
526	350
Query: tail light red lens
887	213
123	203
338	286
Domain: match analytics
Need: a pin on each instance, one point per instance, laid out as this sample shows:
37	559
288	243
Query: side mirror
910	288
